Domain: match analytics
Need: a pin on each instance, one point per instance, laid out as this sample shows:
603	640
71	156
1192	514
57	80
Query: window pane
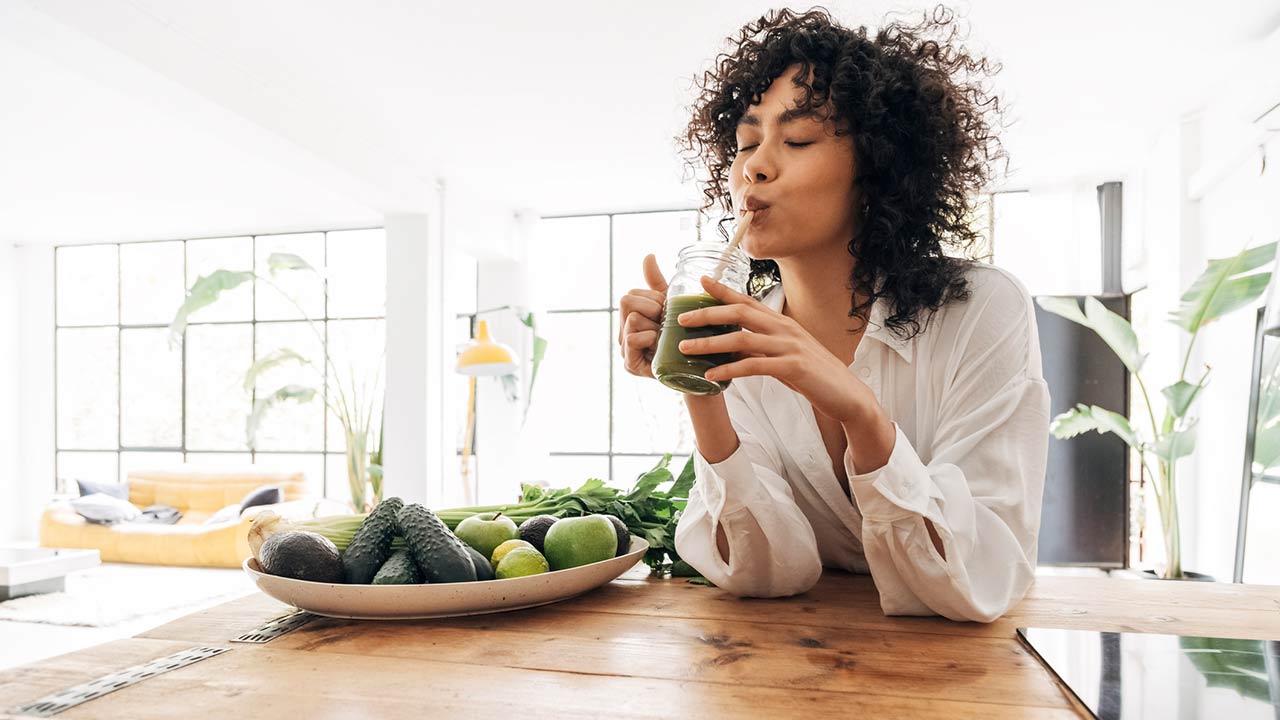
626	469
573	470
95	466
310	464
1260	566
130	461
220	460
87	286
206	256
304	286
150	389
289	425
87	395
662	234
151	282
648	417
337	486
572	392
569	263
217	403
357	273
356	350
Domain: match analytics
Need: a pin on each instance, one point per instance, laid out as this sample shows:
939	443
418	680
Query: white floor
22	642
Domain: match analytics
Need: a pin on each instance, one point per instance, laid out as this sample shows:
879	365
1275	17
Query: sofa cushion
115	490
104	509
208	489
265	495
230	513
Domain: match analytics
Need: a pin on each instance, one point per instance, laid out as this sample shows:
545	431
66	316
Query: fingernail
680	318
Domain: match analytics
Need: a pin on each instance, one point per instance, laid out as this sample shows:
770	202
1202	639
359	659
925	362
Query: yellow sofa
198	494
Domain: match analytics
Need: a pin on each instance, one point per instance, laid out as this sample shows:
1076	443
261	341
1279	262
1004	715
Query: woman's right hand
641	312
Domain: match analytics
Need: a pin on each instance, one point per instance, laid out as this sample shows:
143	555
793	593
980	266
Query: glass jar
687	373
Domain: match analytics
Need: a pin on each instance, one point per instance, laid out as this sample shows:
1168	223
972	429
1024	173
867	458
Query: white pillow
230	513
104	509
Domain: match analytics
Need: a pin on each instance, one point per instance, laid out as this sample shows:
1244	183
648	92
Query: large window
125	399
608	423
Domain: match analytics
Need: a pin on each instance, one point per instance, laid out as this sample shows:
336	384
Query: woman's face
800	170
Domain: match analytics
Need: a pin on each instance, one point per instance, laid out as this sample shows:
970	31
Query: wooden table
643	648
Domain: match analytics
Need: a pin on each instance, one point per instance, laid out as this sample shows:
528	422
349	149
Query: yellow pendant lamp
484	356
481	356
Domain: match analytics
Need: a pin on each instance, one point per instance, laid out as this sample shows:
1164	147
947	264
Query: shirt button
865	372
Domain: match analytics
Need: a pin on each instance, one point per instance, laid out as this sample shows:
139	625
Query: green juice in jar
687	373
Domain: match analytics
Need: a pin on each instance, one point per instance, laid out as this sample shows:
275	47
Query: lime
507	547
520	562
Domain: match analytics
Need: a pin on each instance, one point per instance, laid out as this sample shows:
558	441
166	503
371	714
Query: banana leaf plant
354	402
1227	284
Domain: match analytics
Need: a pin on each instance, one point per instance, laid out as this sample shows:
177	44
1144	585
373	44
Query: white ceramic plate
402	602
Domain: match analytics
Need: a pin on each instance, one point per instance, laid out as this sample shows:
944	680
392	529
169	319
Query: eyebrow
789	115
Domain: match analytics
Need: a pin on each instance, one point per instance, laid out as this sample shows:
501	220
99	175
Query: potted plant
354	402
1227	284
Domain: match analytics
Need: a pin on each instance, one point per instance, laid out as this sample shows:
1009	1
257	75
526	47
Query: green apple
520	562
578	541
486	531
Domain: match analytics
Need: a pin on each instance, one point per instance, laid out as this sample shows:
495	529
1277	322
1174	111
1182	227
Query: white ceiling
129	119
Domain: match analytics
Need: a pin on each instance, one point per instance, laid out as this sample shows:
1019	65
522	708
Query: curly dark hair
923	128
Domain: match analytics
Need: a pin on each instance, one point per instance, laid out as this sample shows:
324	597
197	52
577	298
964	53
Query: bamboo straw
733	244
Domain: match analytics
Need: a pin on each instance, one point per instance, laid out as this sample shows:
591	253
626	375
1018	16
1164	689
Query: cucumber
441	556
371	546
399	569
484	571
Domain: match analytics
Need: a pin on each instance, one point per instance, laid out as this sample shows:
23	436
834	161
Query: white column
413	407
30	375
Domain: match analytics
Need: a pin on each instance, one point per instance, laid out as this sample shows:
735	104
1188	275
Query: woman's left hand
773	344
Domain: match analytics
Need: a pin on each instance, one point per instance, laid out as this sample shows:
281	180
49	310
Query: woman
887	412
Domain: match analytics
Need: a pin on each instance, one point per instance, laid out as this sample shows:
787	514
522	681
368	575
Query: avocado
371	546
534	530
399	569
301	555
484	571
624	536
441	556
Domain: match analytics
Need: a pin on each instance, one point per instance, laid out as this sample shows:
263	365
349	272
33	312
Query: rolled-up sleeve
981	488
772	548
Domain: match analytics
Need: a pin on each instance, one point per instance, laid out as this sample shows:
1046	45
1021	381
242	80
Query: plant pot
1186	575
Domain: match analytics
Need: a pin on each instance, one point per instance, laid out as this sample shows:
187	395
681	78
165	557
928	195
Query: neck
819	298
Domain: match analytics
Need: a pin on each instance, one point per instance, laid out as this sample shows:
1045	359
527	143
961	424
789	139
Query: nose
761	166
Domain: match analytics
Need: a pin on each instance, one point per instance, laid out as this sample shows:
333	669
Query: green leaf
684	483
1179	395
1114	330
1083	418
297	393
279	262
271	360
1236	664
1064	306
1224	286
204	292
1177	444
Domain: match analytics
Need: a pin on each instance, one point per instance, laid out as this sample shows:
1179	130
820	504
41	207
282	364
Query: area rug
114	593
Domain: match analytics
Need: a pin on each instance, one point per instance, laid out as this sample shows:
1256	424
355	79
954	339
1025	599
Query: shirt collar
876	327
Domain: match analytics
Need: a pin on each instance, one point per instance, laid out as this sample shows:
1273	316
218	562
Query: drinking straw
733	244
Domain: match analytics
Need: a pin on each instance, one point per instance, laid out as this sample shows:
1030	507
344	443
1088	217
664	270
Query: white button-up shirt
971	411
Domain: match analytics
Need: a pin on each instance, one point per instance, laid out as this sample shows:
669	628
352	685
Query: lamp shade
483	356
